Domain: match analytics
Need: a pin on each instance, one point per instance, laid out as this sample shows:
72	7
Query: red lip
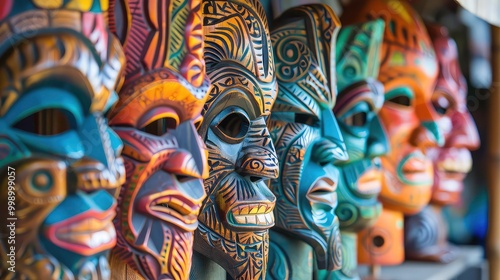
416	169
87	234
323	192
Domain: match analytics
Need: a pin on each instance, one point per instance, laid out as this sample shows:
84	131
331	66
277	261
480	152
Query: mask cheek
116	142
66	144
40	187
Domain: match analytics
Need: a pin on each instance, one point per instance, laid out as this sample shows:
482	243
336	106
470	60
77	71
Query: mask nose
257	157
377	143
190	141
331	147
464	133
428	134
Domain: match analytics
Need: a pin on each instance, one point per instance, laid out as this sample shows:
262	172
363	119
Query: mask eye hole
441	104
402	97
160	126
401	100
235	125
357	119
47	122
306	119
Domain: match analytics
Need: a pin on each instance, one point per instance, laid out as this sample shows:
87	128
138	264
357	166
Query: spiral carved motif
294	59
421	231
347	213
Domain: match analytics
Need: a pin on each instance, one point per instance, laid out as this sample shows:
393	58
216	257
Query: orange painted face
408	71
160	103
453	161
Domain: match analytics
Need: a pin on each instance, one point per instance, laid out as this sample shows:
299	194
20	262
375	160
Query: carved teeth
451	165
252	209
258	219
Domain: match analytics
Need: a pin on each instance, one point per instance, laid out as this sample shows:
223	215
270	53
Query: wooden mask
408	71
453	161
426	233
237	213
306	134
359	100
59	66
161	101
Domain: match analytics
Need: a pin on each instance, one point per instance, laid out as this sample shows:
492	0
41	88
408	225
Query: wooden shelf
470	265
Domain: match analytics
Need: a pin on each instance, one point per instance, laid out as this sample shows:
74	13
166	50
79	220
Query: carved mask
453	161
161	100
359	100
408	71
305	132
59	66
237	213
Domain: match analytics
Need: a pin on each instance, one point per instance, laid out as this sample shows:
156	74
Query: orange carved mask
160	103
408	72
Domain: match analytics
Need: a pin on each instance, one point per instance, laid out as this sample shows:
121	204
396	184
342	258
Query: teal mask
305	132
55	84
360	98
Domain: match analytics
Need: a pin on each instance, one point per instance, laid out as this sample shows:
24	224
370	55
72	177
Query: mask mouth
370	182
254	216
246	205
415	169
323	200
176	209
454	163
88	233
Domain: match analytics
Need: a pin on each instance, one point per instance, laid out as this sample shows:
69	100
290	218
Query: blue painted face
53	132
359	100
305	132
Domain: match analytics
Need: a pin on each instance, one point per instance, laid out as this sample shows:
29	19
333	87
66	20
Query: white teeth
99	238
462	166
90	239
258	219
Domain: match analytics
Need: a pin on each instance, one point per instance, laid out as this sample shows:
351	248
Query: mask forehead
303	50
358	62
408	52
238	51
23	67
358	53
450	79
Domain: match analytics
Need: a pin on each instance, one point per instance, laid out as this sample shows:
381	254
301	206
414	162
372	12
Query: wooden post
375	271
493	248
